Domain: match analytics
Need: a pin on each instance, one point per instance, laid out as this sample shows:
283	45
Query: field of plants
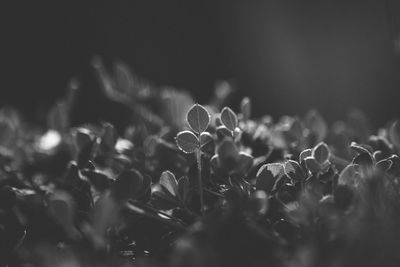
190	185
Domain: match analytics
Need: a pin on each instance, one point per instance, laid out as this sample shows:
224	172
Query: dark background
287	55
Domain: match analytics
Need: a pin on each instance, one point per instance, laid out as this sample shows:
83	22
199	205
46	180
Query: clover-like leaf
229	118
223	131
305	154
312	165
363	159
349	176
187	141
358	148
205	139
169	183
198	118
293	170
268	176
321	153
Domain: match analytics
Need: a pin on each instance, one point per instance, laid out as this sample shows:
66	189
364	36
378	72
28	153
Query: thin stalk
198	157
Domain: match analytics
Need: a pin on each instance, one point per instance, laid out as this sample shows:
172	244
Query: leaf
205	139
198	118
293	170
364	160
384	165
223	132
82	137
124	80
245	108
343	196
97	179
312	165
268	175
305	154
169	182
162	199
229	118
245	162
316	124
187	141
109	138
128	184
349	176
394	133
228	155
321	153
358	148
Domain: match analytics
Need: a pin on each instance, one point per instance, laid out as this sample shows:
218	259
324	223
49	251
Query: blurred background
287	55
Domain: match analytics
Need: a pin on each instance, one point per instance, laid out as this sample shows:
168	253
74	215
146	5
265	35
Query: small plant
188	186
198	119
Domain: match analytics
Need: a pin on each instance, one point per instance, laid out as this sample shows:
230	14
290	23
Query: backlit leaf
187	141
198	118
229	118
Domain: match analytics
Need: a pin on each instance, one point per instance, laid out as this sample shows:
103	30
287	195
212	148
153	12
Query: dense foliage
191	185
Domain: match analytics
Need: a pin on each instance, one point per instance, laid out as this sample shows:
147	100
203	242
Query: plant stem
198	157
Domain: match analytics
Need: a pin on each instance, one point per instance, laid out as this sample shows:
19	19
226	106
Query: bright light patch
123	145
49	140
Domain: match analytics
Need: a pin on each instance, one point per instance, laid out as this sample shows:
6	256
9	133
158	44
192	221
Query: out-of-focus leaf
349	176
245	162
321	153
293	170
312	165
245	108
394	133
228	155
169	182
129	184
223	132
198	118
316	124
268	175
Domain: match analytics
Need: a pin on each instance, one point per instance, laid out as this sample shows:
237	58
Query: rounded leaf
268	176
321	153
305	154
312	164
293	170
205	139
349	176
187	141
169	182
229	118
198	118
